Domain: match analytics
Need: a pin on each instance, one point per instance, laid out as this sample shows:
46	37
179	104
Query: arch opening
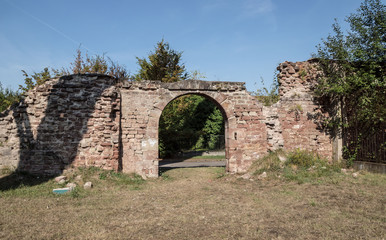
192	132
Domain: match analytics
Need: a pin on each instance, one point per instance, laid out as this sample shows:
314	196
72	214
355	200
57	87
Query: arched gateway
143	103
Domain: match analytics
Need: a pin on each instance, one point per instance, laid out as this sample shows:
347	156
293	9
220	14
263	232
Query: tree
354	64
97	64
94	64
189	121
163	64
81	65
37	78
353	67
7	98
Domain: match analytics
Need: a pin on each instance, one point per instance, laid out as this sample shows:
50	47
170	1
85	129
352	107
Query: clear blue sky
226	40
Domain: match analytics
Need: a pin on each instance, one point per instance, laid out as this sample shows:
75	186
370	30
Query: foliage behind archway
190	122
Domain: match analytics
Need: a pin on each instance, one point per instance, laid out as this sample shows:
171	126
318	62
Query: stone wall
69	120
90	120
300	116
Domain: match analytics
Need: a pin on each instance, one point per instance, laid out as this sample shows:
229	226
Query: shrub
299	166
7	97
270	162
305	159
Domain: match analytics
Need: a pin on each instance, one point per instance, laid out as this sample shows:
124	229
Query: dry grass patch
199	203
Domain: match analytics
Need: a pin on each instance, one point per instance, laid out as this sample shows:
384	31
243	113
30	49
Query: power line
48	25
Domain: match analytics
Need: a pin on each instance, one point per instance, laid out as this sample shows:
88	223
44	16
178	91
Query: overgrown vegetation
354	78
38	78
97	64
268	96
82	64
298	165
7	97
305	159
270	162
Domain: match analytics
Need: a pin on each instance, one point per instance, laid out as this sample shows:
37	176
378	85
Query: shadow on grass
18	179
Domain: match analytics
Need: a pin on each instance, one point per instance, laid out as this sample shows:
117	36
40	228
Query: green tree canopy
88	64
354	66
190	122
353	78
7	97
163	64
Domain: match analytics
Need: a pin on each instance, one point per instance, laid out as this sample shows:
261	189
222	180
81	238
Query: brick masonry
92	120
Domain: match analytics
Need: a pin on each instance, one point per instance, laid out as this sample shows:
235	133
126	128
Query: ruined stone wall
297	119
247	131
73	120
87	120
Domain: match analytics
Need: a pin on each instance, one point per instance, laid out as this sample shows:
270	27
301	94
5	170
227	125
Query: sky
225	40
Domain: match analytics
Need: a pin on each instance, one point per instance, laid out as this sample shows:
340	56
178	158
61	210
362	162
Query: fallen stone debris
88	185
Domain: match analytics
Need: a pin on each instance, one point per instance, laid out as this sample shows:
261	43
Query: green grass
30	186
220	172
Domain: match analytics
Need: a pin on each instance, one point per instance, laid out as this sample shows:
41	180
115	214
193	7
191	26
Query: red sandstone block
106	144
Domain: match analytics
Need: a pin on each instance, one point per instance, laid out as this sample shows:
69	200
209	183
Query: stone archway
224	123
143	103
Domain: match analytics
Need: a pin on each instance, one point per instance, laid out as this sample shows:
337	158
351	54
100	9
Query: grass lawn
197	203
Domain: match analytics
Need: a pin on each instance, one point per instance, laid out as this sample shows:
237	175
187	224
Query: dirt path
191	164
